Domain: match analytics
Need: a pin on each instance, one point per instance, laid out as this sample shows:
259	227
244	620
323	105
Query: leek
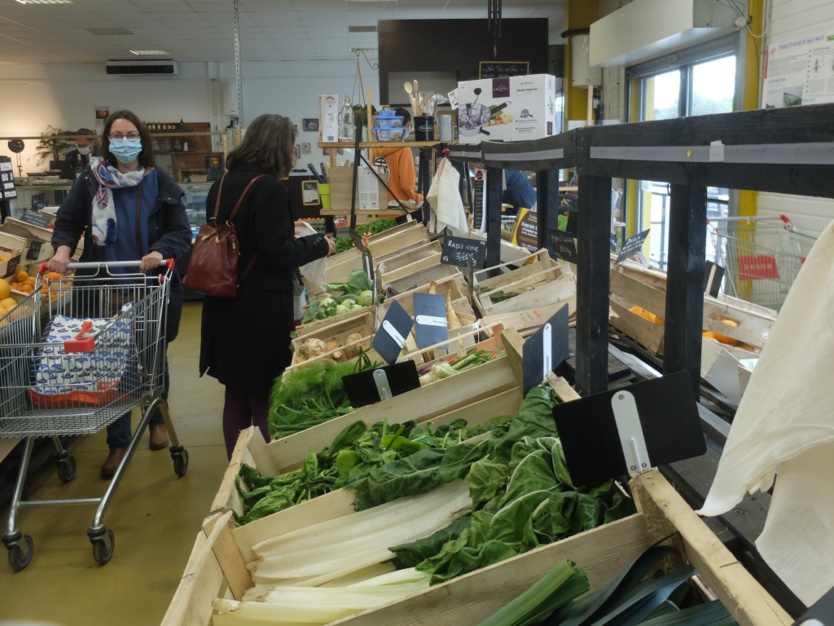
321	605
337	547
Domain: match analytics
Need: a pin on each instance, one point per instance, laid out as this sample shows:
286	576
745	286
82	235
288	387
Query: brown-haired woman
127	210
246	340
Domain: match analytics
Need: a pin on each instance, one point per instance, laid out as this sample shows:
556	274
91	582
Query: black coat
246	340
169	232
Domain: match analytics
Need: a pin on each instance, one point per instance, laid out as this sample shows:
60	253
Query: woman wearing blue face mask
127	210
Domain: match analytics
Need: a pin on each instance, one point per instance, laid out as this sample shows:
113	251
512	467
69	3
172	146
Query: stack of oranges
23	282
7	303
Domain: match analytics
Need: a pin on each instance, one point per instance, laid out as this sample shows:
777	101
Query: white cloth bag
784	428
446	203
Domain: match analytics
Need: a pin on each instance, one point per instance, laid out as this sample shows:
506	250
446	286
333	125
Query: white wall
809	215
65	96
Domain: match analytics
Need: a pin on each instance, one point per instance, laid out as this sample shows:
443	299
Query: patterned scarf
104	209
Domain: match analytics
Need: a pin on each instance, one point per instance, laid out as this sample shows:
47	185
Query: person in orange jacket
399	161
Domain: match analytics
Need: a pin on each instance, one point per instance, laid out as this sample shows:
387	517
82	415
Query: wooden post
592	281
547	206
685	282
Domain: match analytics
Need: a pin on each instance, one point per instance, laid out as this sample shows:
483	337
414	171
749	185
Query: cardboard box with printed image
513	108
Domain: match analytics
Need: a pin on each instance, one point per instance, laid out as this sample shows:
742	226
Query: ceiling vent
157	67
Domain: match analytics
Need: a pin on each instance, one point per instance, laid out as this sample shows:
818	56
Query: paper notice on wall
368	186
800	70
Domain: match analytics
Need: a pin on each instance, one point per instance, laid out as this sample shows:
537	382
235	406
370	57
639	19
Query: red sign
757	267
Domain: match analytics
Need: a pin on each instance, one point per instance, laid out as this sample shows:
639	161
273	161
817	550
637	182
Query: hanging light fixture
494	23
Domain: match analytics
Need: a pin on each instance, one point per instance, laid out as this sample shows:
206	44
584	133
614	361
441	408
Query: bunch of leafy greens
522	493
310	395
355	452
355	294
373	227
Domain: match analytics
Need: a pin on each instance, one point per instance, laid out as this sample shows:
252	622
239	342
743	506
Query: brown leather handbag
215	255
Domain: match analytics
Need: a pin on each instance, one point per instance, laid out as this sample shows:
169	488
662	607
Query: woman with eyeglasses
127	210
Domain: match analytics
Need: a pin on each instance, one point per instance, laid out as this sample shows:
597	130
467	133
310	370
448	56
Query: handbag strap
251	263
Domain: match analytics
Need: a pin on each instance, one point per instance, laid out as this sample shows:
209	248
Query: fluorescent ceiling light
149	53
45	1
108	31
349	1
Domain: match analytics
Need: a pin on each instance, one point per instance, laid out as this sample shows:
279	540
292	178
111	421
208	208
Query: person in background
518	192
245	340
399	161
127	210
78	158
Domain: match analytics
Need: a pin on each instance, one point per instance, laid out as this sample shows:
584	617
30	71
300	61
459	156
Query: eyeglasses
130	135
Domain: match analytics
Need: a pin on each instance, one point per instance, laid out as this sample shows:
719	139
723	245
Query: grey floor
154	515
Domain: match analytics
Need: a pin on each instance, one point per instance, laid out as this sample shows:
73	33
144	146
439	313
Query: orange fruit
29	281
8	302
21	275
54	275
5	289
26	288
3	259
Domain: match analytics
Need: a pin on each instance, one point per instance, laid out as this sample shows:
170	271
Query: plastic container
389	134
388	121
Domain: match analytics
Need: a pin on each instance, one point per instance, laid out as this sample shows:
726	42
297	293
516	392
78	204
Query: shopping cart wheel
21	550
66	468
180	456
103	544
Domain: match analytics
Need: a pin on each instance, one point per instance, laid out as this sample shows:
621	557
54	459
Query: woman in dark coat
246	340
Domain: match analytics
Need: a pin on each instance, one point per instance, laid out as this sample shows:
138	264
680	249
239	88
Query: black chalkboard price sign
35	218
459	250
498	69
632	246
564	246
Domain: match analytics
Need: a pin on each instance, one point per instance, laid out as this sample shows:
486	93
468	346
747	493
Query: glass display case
195	204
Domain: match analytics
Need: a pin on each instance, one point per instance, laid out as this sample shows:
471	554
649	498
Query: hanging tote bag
215	255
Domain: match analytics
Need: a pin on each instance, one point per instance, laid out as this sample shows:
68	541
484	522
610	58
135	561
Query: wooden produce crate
38	239
409	261
337	268
525	321
539	281
396	239
433	273
12	249
217	567
338	330
633	286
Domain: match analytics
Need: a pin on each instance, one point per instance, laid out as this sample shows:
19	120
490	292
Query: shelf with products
189	149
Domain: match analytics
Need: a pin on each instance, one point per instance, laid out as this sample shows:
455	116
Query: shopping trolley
761	256
101	354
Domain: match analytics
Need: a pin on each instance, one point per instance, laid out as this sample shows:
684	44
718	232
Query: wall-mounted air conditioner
645	29
147	67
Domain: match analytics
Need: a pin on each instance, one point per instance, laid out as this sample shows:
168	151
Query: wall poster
800	70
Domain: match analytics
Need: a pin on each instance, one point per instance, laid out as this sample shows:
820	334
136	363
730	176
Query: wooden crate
539	281
433	273
632	285
339	329
409	261
475	395
217	567
396	239
337	268
525	321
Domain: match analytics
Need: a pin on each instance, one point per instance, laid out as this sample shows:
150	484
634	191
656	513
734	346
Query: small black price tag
460	250
593	444
382	383
390	338
545	350
632	246
38	202
564	245
430	319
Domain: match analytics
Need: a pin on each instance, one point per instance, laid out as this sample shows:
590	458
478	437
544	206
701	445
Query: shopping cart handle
169	263
82	342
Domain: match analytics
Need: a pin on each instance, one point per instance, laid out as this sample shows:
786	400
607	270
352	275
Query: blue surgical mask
125	150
